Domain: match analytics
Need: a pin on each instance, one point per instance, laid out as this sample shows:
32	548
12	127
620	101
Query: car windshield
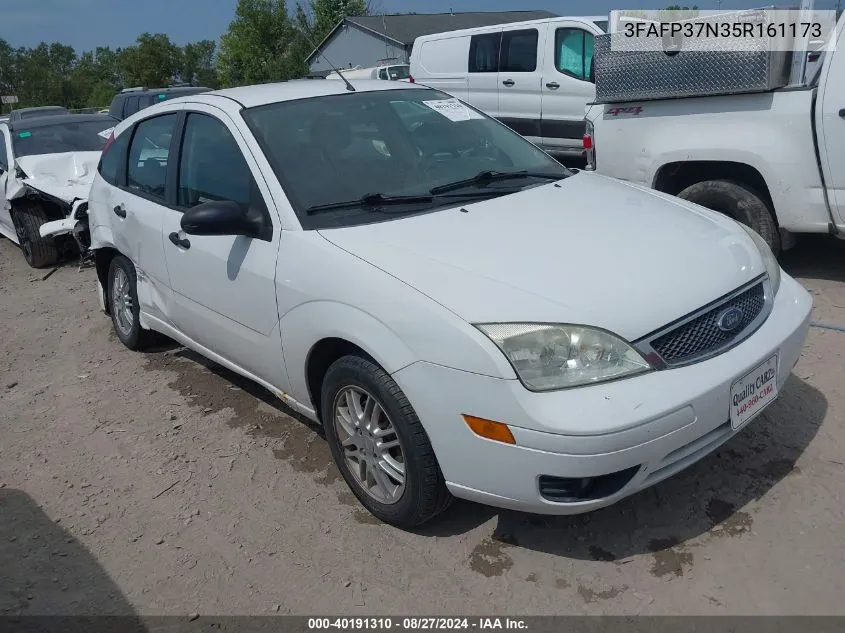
415	150
84	136
399	72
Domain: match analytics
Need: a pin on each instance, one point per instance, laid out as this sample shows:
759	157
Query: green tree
259	45
198	64
153	61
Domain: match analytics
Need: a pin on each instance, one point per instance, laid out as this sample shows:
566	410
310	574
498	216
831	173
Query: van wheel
379	444
38	252
122	294
739	202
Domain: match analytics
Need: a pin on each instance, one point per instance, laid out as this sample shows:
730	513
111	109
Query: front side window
340	149
519	51
148	155
382	74
211	167
574	53
85	136
484	53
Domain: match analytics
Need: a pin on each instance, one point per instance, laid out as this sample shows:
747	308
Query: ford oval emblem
730	319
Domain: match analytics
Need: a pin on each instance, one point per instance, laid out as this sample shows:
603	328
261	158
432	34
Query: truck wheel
38	252
739	202
379	444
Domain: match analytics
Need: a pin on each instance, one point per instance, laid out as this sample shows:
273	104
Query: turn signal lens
490	430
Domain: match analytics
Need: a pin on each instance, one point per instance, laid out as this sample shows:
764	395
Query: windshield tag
453	110
106	133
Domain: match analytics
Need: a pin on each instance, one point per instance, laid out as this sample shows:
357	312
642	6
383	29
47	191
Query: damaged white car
47	165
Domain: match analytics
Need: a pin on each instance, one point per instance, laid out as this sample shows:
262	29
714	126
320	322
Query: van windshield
419	146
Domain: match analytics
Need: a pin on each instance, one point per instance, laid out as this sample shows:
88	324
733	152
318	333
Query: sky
86	24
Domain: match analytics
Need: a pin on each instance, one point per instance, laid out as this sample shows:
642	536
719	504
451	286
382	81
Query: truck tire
38	252
739	202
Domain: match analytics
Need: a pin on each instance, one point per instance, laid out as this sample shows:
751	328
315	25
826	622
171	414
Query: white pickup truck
774	161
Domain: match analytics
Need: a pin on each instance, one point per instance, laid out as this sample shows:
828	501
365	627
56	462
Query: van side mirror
222	217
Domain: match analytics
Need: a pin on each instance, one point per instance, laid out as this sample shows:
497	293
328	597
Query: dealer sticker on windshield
754	392
453	109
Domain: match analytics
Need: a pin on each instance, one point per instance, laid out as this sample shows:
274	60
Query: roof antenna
349	86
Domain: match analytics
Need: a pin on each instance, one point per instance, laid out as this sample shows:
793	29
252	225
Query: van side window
484	53
574	53
382	74
148	155
519	51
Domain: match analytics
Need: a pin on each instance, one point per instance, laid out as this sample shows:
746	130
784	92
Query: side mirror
221	218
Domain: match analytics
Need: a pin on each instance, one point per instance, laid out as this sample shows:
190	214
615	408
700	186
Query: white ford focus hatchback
463	315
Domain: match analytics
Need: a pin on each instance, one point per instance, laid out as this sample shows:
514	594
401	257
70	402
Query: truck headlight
548	357
771	263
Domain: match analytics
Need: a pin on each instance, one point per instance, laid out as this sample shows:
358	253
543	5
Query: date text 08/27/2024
416	624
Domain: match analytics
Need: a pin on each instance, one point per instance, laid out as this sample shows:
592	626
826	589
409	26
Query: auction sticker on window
453	109
754	392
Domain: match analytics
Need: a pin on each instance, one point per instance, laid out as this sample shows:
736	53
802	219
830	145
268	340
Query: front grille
702	335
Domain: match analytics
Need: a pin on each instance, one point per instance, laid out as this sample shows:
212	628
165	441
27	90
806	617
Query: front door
831	122
520	74
223	287
566	85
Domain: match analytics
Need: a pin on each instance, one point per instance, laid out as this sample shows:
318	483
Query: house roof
405	28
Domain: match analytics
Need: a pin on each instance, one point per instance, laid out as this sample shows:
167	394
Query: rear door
483	71
138	208
520	74
223	286
566	85
830	120
6	226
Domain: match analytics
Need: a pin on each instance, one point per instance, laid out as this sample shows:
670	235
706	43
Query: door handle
508	82
178	241
553	85
120	211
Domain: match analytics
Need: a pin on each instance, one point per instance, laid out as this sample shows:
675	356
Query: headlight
772	266
549	357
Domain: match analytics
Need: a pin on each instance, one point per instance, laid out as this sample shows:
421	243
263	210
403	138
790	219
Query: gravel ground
159	483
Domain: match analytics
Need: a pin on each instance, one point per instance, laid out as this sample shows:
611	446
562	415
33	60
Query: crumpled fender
67	176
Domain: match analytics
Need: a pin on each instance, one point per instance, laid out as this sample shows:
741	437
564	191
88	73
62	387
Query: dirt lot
160	484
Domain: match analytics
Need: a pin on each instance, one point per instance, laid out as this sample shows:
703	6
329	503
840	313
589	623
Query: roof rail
135	89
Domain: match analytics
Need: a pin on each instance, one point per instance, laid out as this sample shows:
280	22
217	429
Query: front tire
738	202
38	252
379	444
123	303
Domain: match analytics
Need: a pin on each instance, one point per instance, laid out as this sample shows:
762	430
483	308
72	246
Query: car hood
588	250
66	176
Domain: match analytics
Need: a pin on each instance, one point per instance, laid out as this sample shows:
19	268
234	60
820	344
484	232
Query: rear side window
484	53
4	159
574	53
112	159
519	51
212	166
148	154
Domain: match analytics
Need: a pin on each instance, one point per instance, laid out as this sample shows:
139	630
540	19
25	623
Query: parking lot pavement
159	483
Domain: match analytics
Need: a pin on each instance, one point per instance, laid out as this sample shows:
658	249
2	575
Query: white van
533	76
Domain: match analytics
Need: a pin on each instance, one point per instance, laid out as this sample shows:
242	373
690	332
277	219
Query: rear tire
739	202
423	493
38	252
122	295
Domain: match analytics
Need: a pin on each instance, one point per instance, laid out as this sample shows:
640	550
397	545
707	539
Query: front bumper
656	424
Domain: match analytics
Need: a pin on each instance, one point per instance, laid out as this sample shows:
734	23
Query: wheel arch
672	178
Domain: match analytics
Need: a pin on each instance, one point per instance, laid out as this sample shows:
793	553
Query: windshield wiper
370	200
486	177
